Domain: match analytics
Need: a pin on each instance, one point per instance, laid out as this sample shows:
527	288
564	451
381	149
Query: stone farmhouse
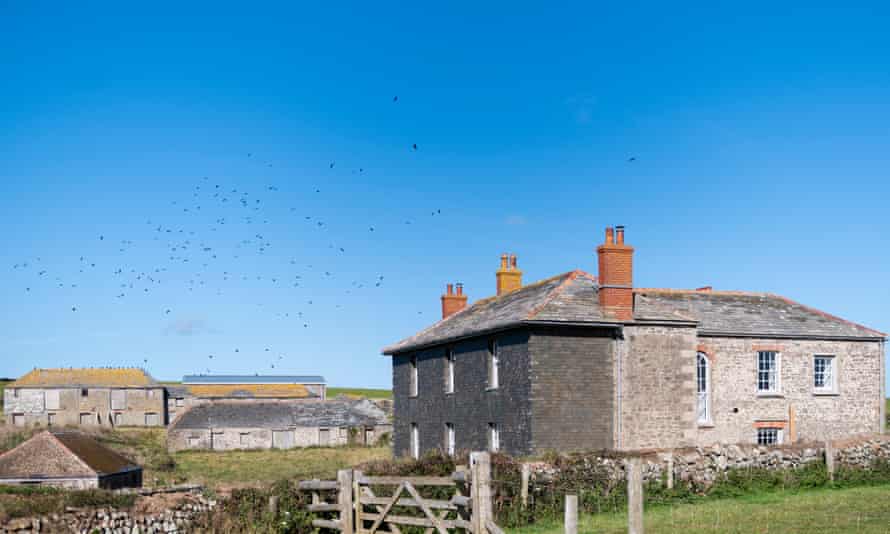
89	397
202	389
280	425
591	362
69	460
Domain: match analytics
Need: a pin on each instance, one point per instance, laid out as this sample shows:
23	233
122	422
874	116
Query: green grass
256	468
360	392
863	509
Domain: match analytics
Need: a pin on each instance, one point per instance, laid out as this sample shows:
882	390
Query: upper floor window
493	364
413	386
703	387
449	371
84	392
768	372
824	374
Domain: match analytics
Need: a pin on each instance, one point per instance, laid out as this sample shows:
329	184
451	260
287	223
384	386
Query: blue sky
760	137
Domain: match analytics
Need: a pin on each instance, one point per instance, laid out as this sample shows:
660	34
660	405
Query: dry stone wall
177	519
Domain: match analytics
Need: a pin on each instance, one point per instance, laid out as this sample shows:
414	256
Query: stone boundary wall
179	518
702	466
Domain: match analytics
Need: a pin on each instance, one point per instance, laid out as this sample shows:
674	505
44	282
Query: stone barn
70	460
579	361
278	425
85	397
201	389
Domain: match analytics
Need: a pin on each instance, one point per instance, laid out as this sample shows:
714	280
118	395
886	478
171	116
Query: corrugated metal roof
250	391
93	377
253	379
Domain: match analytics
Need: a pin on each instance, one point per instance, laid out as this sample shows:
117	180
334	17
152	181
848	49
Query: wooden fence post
480	491
635	496
357	500
273	505
670	470
344	479
526	475
571	514
829	460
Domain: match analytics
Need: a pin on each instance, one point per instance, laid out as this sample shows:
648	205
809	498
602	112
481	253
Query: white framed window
413	385
449	439
494	437
152	419
324	436
244	439
415	441
824	374
194	442
118	399
118	419
768	372
179	402
703	388
18	419
493	364
769	436
86	418
15	393
52	399
50	419
449	371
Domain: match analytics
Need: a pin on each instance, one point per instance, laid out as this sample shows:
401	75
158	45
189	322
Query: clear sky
761	138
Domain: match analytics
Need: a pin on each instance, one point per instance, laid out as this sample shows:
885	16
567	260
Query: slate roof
572	298
279	415
567	298
85	377
737	313
253	379
57	454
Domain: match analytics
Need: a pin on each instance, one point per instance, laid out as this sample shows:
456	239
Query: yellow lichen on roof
295	391
124	377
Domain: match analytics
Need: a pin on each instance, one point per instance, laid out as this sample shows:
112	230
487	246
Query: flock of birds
183	252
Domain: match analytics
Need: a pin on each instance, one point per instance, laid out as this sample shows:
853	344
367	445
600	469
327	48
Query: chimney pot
610	235
503	262
619	235
449	289
460	288
513	262
451	302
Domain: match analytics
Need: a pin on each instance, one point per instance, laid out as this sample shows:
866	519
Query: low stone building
89	397
279	425
70	460
579	361
201	389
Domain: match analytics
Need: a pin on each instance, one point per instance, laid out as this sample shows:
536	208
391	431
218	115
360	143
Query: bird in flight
414	146
395	98
631	159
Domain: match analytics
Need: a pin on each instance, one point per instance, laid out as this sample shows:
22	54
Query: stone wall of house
38	406
654	390
855	406
572	389
178	518
473	405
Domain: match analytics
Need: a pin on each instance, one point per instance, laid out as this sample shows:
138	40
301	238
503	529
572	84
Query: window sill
708	424
449	393
767	395
826	394
491	389
413	396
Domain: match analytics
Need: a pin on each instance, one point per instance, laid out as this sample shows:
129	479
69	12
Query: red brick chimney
616	275
509	277
453	302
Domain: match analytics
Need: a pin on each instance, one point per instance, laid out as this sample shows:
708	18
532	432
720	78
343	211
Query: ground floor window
324	436
152	419
193	442
118	419
415	441
769	436
494	437
18	419
50	419
86	418
244	438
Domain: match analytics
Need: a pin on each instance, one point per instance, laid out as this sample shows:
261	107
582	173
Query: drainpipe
619	354
883	405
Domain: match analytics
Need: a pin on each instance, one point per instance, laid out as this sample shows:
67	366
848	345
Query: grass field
360	392
863	509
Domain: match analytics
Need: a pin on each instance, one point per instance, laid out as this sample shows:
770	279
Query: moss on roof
98	376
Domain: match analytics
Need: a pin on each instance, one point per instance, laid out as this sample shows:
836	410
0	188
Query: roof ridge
674	291
555	292
826	314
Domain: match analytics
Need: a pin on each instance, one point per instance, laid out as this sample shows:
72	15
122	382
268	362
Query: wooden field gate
362	511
